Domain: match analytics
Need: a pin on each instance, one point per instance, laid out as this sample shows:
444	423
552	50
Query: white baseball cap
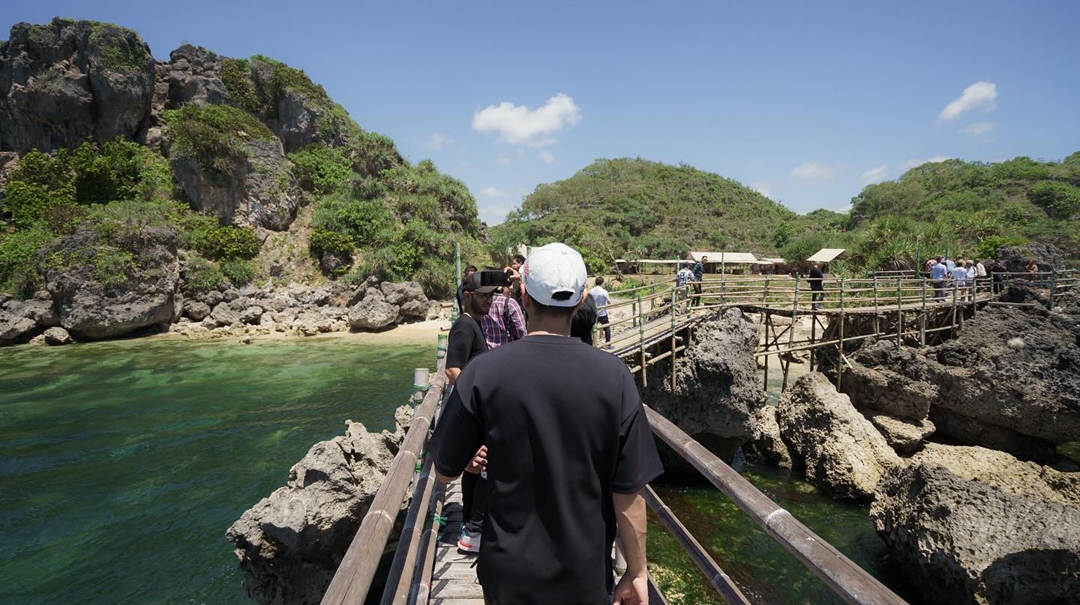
555	275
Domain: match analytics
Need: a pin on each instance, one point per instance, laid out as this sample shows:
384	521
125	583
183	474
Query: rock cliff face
716	394
290	543
72	81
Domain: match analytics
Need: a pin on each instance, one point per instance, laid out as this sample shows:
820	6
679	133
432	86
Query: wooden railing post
641	342
840	355
791	334
1053	287
922	315
899	312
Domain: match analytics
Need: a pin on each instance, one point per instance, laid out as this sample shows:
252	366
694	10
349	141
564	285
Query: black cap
485	281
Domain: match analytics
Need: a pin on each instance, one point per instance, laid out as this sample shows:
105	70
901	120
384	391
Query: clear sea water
123	463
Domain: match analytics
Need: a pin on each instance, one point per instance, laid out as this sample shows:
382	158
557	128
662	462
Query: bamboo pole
720	581
641	345
353	577
673	341
899	313
422	587
840	354
922	316
408	549
843	576
791	334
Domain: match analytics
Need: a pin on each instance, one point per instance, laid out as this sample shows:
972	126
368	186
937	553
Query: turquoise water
123	463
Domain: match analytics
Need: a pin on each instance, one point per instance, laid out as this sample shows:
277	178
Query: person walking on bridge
939	271
817	286
699	273
570	452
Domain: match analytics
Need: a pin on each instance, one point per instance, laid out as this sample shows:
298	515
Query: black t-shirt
565	428
466	341
815	279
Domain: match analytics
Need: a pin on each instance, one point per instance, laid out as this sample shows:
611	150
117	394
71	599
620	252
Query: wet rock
966	542
766	446
57	336
904	435
290	543
840	448
716	393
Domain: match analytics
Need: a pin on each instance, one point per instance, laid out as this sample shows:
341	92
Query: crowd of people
548	434
966	276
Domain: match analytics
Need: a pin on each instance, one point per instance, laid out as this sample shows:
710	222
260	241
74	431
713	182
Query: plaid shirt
496	332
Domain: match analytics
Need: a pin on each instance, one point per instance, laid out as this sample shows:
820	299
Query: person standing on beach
571	452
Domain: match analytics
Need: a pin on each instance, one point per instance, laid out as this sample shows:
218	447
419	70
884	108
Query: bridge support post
899	312
840	354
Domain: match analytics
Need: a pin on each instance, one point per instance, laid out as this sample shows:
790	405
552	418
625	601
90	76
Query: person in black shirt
817	286
465	343
570	452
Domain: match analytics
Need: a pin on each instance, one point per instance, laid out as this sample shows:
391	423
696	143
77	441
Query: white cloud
814	171
762	187
492	192
980	95
547	156
519	125
439	140
908	165
504	158
876	175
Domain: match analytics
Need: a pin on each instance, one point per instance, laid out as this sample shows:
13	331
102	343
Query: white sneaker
469	541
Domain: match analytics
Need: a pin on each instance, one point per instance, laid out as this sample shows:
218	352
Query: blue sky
805	101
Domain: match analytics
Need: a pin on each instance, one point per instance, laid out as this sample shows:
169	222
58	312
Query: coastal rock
251	315
223	315
965	542
195	310
766	446
39	309
14	327
290	543
716	392
72	81
373	312
885	390
840	448
143	296
904	435
57	336
971	431
1001	470
1047	256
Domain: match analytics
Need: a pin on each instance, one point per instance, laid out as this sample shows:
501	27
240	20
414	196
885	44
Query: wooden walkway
453	582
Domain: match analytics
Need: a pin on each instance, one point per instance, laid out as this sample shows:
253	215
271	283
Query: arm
452	375
633	587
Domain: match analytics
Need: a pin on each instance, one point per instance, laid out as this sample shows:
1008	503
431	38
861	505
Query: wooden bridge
428	569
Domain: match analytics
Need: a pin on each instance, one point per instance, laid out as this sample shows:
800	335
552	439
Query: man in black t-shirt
570	452
465	343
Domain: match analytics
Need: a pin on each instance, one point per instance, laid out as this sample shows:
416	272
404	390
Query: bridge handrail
354	574
842	575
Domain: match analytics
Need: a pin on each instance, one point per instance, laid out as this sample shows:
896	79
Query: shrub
38	183
1060	200
222	242
20	263
988	247
367	222
115	173
239	272
200	275
322	240
321	169
236	76
211	135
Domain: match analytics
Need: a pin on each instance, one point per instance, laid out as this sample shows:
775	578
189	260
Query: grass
214	135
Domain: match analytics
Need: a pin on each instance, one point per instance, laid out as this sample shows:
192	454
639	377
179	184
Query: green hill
633	208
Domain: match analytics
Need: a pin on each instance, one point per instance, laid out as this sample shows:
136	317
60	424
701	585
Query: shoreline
419	332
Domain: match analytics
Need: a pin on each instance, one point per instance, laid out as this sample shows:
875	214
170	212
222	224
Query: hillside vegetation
233	148
633	208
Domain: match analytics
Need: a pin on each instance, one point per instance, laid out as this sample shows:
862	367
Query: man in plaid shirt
504	322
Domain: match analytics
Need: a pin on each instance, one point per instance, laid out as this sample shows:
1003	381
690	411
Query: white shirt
601	298
980	270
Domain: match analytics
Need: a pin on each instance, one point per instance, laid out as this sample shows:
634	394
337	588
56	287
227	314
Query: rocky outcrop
1009	380
290	543
961	541
72	81
716	394
1003	471
194	76
408	296
57	337
841	450
13	328
766	445
260	192
139	292
904	435
373	312
1047	256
